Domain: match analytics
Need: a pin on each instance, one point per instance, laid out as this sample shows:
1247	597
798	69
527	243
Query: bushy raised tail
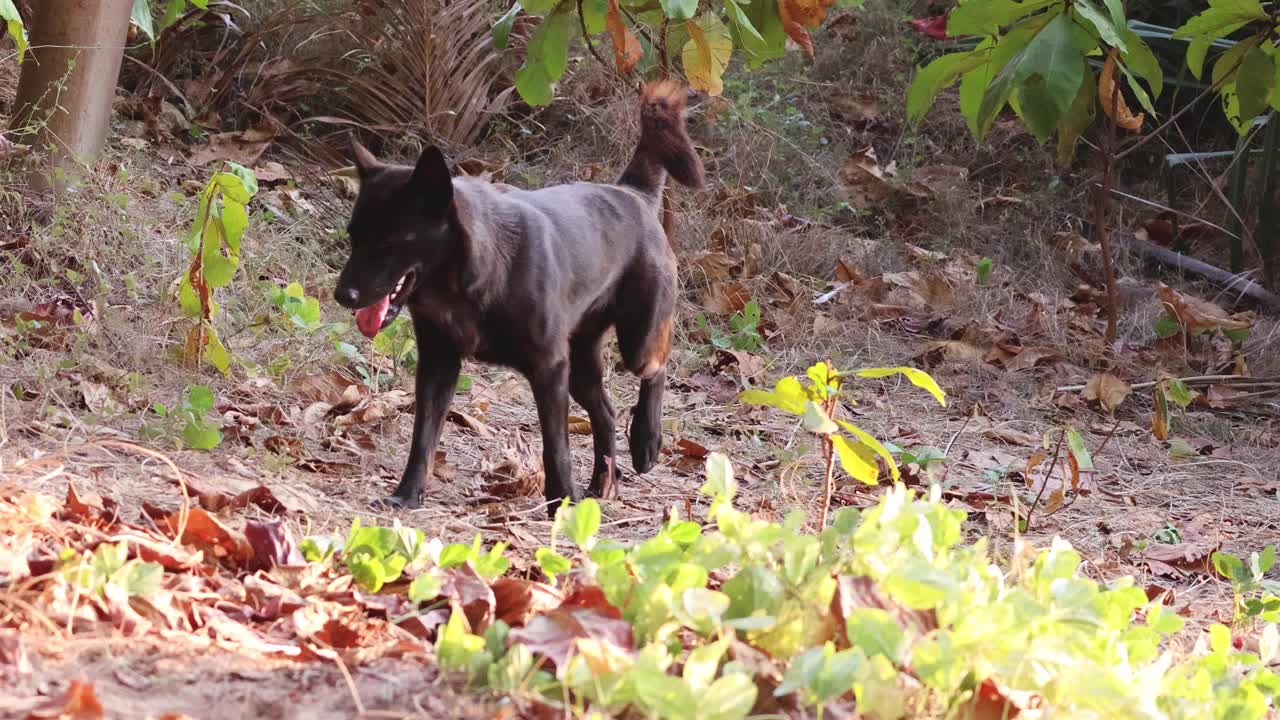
664	147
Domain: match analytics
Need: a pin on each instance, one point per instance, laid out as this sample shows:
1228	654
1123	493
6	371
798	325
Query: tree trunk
69	76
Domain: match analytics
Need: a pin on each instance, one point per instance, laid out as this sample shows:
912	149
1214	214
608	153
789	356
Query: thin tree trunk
69	76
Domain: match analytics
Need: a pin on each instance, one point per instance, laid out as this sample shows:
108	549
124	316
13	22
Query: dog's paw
396	502
646	444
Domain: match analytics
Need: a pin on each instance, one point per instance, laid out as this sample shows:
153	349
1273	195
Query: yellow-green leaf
919	378
857	459
816	420
875	446
707	53
788	395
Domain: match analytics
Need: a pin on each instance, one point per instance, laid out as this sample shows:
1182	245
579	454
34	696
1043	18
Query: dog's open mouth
372	318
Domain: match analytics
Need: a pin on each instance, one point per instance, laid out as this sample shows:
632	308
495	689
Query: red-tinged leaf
467	590
205	532
935	27
269	599
330	624
797	15
80	702
989	702
517	600
559	634
150	549
692	449
90	507
272	544
591	597
260	496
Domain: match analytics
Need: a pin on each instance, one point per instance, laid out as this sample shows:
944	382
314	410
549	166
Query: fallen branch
1196	381
1236	284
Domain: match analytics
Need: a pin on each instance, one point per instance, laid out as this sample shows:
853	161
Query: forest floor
326	433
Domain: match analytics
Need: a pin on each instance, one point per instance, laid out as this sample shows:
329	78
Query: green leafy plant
644	33
301	309
1255	596
143	18
214	242
950	624
983	271
744	329
817	403
193	420
13	25
108	570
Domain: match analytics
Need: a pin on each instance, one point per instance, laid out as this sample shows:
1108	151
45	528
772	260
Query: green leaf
425	587
143	579
201	436
583	523
756	29
171	13
1166	326
938	76
1108	28
1197	51
680	9
754	590
788	395
983	269
729	698
1075	443
141	17
1229	566
501	31
919	378
1054	57
857	459
720	482
989	17
456	647
539	7
454	555
876	632
551	562
1255	83
1143	62
13	24
816	420
533	84
593	15
1222	18
199	399
215	352
1179	393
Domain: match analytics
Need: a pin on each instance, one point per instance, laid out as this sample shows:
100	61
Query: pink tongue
369	319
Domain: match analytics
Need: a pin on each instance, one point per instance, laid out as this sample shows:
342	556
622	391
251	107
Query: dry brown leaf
847	272
1112	99
1030	357
716	266
1185	557
869	185
1225	396
626	48
80	702
726	298
1012	437
517	600
205	532
579	425
333	387
468	591
1107	390
1197	315
474	425
565	631
954	351
244	147
692	449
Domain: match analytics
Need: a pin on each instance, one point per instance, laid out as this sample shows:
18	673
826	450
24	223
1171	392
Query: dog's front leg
551	392
437	377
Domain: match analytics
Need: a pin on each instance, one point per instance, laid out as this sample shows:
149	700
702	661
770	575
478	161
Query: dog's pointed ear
366	163
432	181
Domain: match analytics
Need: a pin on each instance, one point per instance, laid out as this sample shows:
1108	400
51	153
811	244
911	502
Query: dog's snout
347	296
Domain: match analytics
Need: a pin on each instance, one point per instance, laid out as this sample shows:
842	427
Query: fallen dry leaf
1197	315
517	600
1012	437
797	15
1185	557
579	425
244	147
207	533
80	702
565	631
471	423
272	544
725	298
468	591
333	388
1107	390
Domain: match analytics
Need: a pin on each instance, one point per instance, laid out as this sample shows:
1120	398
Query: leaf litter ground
315	449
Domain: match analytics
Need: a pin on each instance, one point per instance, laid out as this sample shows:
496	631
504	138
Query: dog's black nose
347	296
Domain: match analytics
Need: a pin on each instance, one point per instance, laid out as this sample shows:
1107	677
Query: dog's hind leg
549	380
586	385
645	307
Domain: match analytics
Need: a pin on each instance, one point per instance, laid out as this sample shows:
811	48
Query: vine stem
1101	208
1044	484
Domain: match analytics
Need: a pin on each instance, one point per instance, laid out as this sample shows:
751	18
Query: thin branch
586	36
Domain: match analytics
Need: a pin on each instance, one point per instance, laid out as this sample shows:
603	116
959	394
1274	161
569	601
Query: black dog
528	279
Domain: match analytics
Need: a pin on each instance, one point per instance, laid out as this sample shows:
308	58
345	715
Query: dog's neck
483	263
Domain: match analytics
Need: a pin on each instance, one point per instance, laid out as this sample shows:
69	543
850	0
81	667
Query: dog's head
401	232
